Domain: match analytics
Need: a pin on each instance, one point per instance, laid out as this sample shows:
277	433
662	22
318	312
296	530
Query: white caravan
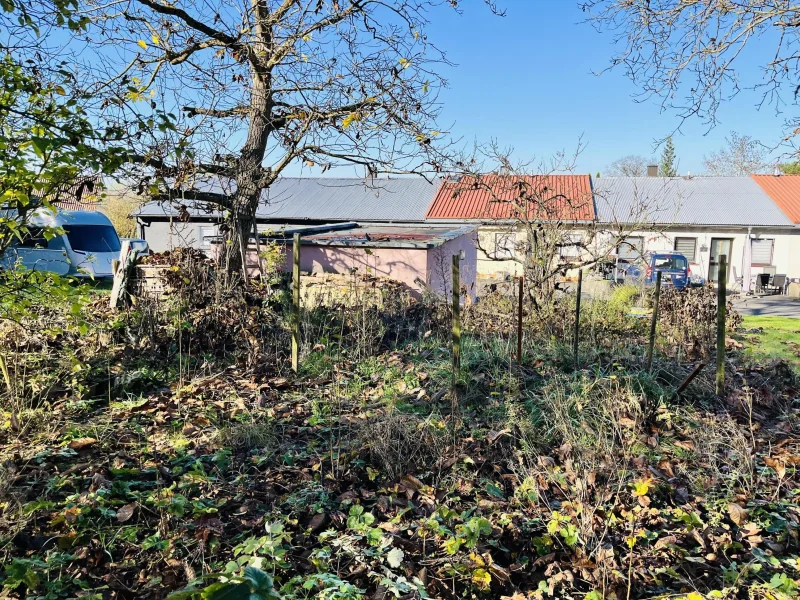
86	248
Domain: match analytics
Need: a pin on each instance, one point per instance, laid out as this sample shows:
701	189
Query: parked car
86	248
674	270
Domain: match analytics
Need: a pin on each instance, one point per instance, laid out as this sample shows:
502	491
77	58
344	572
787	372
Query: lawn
779	338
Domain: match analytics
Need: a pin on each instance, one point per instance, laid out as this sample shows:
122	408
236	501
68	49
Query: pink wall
395	263
440	265
415	268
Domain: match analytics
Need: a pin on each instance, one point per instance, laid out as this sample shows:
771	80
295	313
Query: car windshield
669	263
92	238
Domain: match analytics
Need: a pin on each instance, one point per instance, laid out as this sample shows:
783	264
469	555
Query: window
761	252
631	249
92	238
686	246
571	247
503	245
206	235
34	238
669	263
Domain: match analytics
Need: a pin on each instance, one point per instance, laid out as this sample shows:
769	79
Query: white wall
786	248
165	235
786	252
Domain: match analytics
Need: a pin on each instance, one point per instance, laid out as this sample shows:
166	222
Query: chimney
777	172
652	170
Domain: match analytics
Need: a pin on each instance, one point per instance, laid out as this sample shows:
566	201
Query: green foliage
668	167
23	292
47	141
791	168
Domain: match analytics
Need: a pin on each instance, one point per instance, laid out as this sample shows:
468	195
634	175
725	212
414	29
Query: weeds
208	467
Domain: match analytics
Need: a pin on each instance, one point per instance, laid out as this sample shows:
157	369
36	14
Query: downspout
747	257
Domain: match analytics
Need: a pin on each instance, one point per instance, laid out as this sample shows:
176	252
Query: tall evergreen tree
669	165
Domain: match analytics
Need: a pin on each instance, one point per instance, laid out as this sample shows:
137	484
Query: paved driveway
769	306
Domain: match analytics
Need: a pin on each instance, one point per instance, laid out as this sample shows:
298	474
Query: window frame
502	251
639	246
573	249
771	252
203	236
693	257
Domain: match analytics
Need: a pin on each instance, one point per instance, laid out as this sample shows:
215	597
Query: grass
779	338
361	471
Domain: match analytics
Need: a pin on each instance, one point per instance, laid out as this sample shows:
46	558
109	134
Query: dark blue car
674	270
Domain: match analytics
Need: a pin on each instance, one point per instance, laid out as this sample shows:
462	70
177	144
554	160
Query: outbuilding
418	256
185	222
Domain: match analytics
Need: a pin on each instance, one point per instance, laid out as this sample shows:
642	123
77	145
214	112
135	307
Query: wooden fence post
722	284
296	302
456	318
576	336
519	319
654	322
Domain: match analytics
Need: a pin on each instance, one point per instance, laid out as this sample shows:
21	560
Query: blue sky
527	80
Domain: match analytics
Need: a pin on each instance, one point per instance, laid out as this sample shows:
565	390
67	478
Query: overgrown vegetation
168	448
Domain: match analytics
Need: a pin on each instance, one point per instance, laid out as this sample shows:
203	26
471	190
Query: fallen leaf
395	557
126	512
737	514
81	443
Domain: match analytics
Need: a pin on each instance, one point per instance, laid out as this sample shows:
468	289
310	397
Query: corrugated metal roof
325	199
489	197
784	190
381	236
736	201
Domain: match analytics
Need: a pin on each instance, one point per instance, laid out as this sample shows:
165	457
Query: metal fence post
654	322
722	285
519	320
577	333
296	302
456	318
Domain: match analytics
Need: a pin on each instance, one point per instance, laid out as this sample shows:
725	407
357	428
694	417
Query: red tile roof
784	191
489	197
80	194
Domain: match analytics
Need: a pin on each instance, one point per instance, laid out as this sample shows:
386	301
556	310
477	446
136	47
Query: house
502	205
784	191
702	218
290	201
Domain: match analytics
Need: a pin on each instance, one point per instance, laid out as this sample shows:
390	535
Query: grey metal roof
734	201
325	199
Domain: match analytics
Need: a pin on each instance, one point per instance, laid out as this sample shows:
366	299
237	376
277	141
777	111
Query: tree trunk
249	166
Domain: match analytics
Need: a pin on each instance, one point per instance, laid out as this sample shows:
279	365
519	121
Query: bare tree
242	89
539	220
741	156
632	165
688	52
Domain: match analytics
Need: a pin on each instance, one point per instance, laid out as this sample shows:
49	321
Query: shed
184	222
419	256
